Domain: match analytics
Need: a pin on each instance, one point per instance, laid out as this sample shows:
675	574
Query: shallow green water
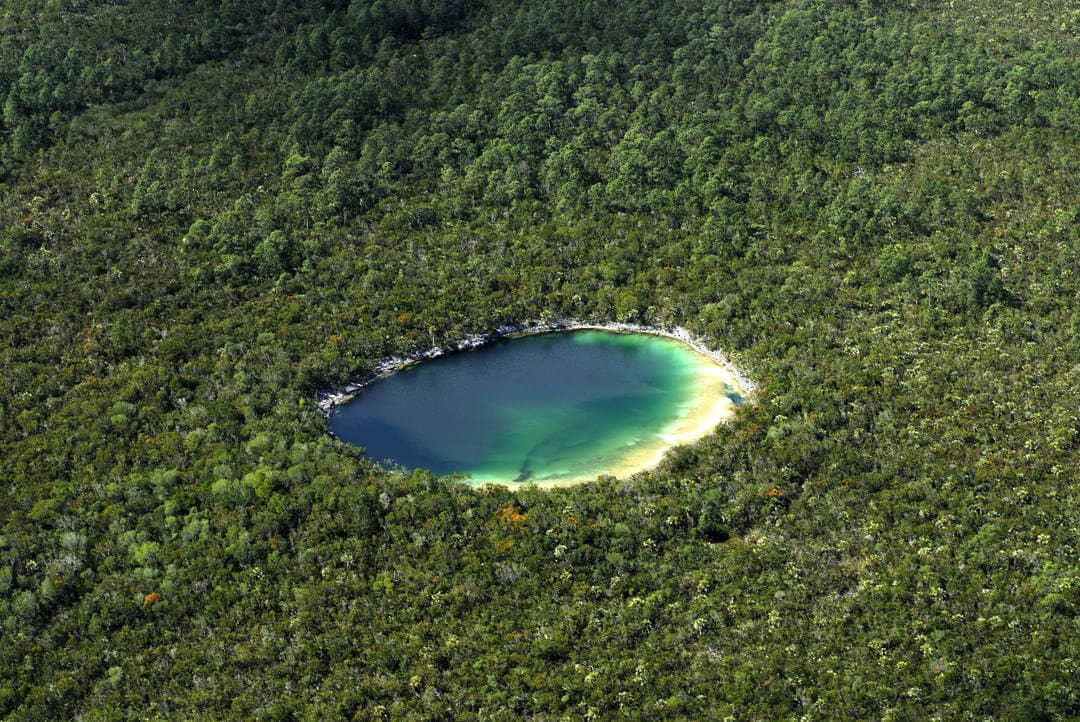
551	408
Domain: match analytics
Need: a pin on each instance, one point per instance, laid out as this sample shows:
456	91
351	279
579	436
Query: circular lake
551	409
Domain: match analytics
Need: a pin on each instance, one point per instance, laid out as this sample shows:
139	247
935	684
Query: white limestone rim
327	399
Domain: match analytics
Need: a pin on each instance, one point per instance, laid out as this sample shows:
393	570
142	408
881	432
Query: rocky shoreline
327	399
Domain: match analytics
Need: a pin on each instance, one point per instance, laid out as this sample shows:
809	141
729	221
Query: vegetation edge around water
327	399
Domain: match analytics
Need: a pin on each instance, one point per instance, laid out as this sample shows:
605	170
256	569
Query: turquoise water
551	408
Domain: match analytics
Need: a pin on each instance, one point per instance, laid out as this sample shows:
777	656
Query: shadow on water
396	445
732	393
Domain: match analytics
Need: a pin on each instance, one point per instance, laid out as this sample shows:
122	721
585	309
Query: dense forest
212	209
